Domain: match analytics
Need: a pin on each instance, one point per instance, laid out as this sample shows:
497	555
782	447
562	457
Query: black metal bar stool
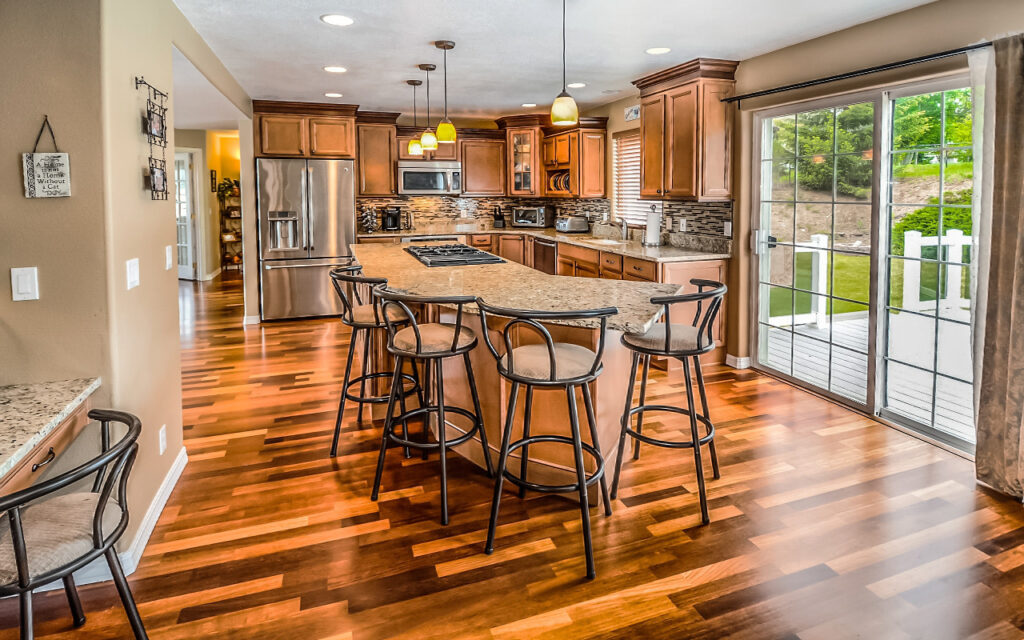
361	317
549	364
429	344
682	342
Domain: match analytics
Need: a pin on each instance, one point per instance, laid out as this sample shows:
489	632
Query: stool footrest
432	446
555	488
667	443
354	397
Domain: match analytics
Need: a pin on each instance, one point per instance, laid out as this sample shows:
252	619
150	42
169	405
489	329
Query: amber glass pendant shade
445	132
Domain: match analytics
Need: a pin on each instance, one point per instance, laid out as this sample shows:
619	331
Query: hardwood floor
824	524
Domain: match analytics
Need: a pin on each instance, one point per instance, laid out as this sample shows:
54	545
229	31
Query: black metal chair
362	317
51	536
429	344
549	364
682	342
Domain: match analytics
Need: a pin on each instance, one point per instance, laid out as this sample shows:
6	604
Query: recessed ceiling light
335	69
336	20
657	51
576	85
529	105
332	94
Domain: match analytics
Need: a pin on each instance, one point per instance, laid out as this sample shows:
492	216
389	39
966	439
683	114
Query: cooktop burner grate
451	255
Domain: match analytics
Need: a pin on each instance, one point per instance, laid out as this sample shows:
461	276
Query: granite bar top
633	249
29	412
513	285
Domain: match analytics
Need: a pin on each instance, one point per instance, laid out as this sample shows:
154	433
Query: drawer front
579	253
482	241
640	269
611	261
23	475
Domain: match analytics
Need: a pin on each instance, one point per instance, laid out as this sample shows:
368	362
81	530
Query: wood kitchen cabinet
332	137
483	167
686	132
482	241
611	266
376	159
445	152
304	129
512	247
524	161
578	261
581	154
681	273
283	136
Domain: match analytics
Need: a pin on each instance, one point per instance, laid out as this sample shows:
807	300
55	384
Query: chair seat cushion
435	337
363	314
684	338
532	361
57	530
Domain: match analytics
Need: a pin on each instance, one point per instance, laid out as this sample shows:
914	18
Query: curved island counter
512	285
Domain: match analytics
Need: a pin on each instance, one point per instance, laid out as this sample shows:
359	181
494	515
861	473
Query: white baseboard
737	362
251	320
97	570
212	275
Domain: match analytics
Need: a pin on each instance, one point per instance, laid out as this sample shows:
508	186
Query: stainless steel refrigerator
306	223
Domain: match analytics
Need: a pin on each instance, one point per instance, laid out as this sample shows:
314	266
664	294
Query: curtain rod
860	72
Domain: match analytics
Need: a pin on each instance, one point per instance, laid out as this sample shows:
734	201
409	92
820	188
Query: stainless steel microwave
429	178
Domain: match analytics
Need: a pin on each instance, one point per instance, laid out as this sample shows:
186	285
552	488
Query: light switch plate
168	259
728	229
682	224
24	283
163	439
132	267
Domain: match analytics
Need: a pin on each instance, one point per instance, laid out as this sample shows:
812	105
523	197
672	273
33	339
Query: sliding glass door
863	250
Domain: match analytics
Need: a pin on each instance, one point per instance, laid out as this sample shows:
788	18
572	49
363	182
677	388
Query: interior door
184	215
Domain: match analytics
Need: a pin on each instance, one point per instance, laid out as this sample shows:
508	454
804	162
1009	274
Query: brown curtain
1000	450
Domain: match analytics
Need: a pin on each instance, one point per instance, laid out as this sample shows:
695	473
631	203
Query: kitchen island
513	285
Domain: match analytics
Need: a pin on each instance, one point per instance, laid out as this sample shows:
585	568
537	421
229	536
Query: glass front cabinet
524	162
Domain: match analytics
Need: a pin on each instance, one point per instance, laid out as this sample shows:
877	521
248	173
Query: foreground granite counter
632	248
513	285
30	412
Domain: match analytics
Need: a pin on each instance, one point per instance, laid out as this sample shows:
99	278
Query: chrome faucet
625	229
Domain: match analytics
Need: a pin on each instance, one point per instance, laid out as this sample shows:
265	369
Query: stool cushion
532	361
435	337
363	314
684	338
57	531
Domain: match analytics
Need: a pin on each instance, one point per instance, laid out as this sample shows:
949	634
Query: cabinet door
333	137
574	163
376	159
283	136
587	270
681	273
481	241
512	248
403	149
562	146
549	151
566	266
652	146
715	142
681	142
483	167
447	152
522	162
592	164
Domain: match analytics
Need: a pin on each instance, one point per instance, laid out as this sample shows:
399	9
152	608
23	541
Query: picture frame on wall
213	181
156	124
158	179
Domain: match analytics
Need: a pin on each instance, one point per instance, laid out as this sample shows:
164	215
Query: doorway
185	214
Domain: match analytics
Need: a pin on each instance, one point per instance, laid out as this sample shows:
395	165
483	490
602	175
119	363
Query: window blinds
626	203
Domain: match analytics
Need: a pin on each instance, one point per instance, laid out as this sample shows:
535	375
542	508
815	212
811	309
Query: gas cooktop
451	255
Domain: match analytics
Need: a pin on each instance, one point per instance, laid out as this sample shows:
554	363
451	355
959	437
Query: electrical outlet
163	439
132	269
728	229
682	224
168	258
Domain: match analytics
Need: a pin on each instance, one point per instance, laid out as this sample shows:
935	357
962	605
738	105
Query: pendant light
428	141
564	110
445	128
415	148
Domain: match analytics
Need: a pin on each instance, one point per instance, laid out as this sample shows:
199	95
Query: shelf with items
230	224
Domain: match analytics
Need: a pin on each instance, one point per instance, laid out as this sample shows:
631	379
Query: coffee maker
390	218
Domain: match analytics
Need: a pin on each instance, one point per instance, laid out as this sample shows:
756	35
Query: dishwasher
545	254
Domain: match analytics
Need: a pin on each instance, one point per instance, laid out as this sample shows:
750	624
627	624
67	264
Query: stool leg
625	423
384	433
499	477
402	409
366	366
524	455
428	391
125	592
77	613
643	398
344	391
442	428
588	403
25	602
479	415
696	444
707	416
581	479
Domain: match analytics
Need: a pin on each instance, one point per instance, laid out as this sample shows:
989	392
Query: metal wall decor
154	125
47	175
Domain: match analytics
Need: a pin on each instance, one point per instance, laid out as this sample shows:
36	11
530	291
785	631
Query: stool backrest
708	297
394	301
531	320
111	467
352	275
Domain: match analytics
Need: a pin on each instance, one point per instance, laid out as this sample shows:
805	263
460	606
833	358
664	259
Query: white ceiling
198	104
507	52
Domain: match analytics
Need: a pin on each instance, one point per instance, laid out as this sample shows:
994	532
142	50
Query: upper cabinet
523	161
483	167
574	163
304	130
444	152
332	137
376	159
686	131
283	136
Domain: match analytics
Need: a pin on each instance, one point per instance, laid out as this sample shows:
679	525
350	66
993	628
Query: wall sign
47	175
632	113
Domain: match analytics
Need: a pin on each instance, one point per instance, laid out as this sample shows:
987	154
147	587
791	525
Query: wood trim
523	120
480	134
686	72
377	117
303	108
21	475
588	122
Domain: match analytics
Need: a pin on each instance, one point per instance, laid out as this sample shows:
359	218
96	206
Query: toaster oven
532	217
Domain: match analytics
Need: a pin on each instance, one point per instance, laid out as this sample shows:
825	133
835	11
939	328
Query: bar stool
361	317
429	344
682	342
549	364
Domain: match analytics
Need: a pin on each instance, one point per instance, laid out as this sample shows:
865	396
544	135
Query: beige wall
940	26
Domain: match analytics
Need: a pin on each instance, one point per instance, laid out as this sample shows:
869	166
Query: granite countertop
513	285
633	248
29	412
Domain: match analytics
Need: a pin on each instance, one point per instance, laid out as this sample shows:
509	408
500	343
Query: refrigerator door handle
271	267
309	206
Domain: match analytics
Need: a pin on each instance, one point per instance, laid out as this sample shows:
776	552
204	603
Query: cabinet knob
659	190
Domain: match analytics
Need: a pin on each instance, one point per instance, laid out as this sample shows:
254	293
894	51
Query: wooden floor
824	524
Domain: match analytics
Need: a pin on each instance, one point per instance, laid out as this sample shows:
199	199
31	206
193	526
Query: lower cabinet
512	247
482	241
578	262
